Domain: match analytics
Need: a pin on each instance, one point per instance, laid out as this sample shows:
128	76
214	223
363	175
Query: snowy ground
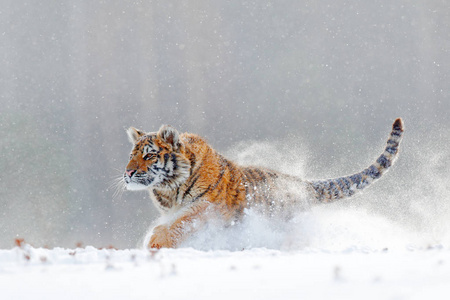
327	254
260	273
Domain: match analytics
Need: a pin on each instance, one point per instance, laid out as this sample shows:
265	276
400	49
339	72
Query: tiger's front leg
161	238
171	235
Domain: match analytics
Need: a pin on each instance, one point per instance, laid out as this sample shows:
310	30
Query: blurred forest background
324	77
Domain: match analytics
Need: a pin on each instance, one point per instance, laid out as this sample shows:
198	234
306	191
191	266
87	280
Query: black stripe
320	187
224	164
192	159
356	178
199	167
251	177
222	172
392	150
333	189
320	193
255	175
348	185
166	159
237	191
178	191
384	161
348	190
372	172
231	169
392	142
250	173
326	190
220	191
191	185
201	194
192	171
174	161
272	175
158	196
341	184
396	133
262	175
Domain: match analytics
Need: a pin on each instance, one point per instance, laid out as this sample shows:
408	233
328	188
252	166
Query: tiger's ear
134	134
170	136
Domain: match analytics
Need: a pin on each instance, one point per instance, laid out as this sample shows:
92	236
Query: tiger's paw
161	238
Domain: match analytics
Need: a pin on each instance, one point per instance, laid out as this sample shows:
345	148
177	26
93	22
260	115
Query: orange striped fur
190	182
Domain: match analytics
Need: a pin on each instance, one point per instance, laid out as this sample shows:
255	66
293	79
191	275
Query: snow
258	273
330	252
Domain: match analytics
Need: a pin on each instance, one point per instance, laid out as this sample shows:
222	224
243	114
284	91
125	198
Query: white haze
332	73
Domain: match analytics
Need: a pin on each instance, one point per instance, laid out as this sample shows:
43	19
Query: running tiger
190	182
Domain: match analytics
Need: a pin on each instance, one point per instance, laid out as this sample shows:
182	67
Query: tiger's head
157	160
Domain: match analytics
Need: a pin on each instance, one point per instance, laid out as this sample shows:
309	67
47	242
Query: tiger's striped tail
338	188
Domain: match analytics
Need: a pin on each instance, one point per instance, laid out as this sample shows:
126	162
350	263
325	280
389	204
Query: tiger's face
156	160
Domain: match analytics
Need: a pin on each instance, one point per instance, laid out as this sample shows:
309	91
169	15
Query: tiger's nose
130	172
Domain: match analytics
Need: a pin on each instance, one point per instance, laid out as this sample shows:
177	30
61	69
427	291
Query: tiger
189	183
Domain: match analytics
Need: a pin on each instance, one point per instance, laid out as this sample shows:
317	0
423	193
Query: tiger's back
187	179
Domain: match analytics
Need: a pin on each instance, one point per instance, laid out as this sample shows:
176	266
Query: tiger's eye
149	156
